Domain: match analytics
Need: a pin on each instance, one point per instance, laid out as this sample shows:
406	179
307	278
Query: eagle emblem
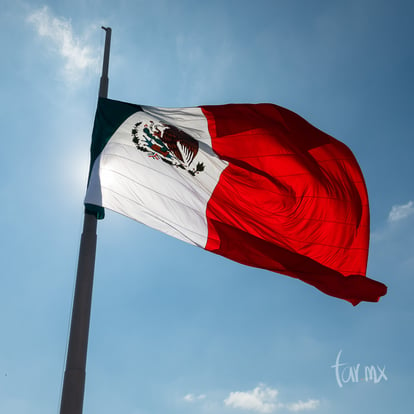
168	143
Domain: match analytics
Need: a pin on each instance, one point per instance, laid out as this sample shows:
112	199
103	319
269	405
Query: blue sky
194	332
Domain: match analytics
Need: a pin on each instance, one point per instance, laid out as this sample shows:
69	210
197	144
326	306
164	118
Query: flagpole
74	379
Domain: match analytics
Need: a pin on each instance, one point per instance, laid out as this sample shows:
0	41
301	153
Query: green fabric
109	116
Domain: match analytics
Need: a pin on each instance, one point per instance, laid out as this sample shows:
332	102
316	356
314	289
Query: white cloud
396	229
77	54
400	212
261	399
192	397
302	406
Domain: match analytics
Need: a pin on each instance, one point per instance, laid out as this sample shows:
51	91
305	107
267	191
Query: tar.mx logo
356	373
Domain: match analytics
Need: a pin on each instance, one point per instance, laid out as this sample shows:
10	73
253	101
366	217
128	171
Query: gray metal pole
74	380
103	87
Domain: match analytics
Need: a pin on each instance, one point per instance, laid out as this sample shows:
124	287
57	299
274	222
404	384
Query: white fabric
163	196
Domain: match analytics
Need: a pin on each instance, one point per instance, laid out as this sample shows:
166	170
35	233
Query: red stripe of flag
292	200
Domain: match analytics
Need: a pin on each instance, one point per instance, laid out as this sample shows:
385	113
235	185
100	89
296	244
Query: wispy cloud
397	226
264	399
400	212
77	55
192	397
302	406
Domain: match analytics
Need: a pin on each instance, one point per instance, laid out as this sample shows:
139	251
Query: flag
255	183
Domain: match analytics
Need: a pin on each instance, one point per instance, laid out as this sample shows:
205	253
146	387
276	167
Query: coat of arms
168	143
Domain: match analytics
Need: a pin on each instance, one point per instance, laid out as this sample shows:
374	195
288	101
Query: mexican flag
255	183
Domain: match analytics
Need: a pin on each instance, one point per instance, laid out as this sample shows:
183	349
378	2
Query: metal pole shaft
103	87
74	380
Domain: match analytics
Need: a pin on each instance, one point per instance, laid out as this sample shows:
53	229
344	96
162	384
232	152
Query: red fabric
292	200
